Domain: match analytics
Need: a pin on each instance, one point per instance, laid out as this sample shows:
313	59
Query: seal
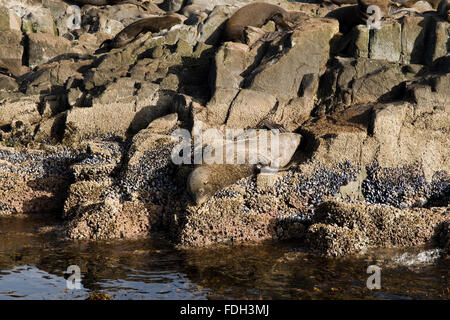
152	7
130	33
207	179
257	14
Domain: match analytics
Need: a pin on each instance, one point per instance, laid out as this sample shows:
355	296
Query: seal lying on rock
258	14
130	33
154	7
207	179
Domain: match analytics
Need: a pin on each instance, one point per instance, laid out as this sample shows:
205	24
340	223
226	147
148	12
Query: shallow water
33	266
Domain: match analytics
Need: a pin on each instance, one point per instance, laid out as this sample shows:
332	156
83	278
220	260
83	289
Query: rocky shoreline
88	136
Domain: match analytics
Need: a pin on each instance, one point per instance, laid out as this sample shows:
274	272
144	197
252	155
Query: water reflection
33	266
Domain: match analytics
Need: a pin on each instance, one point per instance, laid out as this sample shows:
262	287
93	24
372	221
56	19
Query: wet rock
373	117
335	241
414	39
126	105
4	19
110	219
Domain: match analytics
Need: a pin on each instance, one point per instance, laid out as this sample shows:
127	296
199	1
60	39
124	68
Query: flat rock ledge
88	137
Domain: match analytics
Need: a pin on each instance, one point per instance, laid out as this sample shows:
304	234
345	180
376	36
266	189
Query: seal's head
199	186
